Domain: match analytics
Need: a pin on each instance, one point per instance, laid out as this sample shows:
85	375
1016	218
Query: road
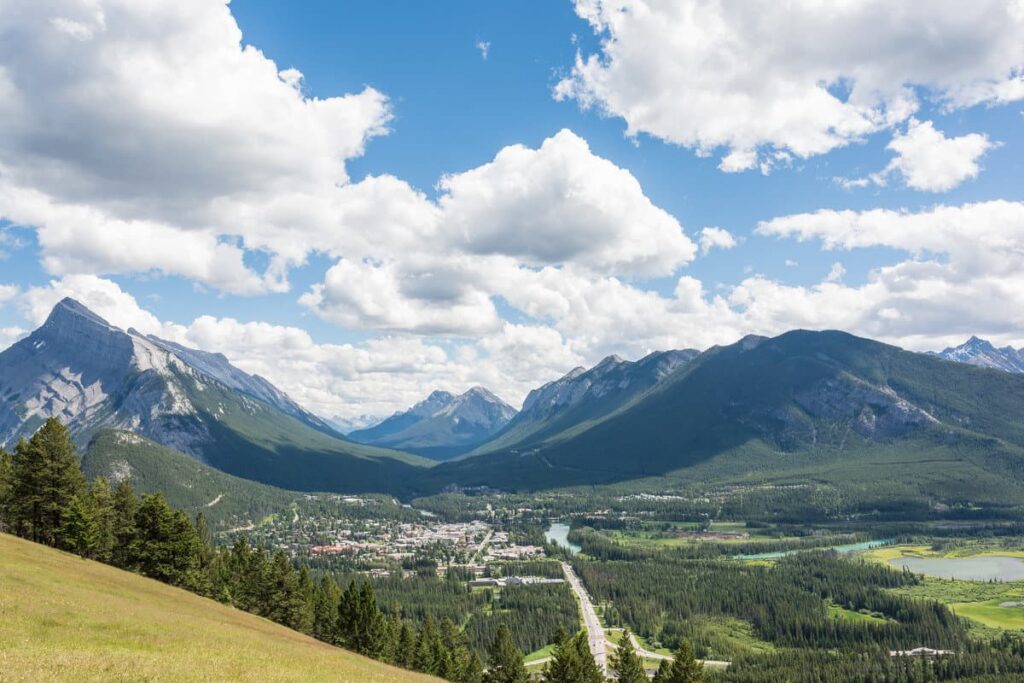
483	545
647	654
595	632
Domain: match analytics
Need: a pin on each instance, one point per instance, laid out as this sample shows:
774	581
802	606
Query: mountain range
803	406
984	354
93	376
442	425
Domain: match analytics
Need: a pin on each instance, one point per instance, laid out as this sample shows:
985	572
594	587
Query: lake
559	535
987	568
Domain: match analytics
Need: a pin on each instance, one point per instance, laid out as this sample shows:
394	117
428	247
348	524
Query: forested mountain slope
816	403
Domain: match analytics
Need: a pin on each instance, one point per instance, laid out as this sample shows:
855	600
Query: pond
985	568
558	534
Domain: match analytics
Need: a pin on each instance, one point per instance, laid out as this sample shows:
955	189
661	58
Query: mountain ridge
442	425
983	353
92	376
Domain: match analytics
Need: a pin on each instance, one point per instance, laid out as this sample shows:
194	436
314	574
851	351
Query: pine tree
664	671
423	657
45	478
126	504
506	661
564	666
406	655
626	665
103	506
325	610
166	546
588	671
472	670
684	669
79	531
6	484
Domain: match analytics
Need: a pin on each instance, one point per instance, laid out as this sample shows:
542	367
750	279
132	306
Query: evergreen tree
564	666
6	484
45	478
325	610
406	654
588	671
79	531
625	663
663	672
103	507
472	668
166	546
506	661
126	504
684	669
423	657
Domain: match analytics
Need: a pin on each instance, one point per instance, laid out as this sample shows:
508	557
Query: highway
595	632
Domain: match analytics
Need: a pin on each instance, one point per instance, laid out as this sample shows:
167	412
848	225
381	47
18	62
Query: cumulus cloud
964	274
561	203
712	238
927	160
433	267
128	125
757	78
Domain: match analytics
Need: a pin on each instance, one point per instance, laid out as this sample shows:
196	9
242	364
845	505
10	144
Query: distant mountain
982	353
801	407
442	425
347	425
93	376
583	396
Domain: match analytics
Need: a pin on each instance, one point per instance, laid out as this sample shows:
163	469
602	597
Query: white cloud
484	47
433	268
127	125
757	77
103	297
928	160
836	273
561	203
712	237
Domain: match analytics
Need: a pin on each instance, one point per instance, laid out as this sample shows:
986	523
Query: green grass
63	618
991	614
539	654
838	612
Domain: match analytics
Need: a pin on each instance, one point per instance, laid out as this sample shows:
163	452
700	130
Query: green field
63	618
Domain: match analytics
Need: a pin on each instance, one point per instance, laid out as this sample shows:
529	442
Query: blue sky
929	251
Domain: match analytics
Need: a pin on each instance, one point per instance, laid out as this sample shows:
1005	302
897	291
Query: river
558	534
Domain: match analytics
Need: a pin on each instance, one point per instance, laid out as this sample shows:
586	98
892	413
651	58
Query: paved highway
595	632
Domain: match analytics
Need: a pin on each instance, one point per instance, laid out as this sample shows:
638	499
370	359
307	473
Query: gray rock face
91	375
982	353
612	375
875	412
217	366
585	395
442	425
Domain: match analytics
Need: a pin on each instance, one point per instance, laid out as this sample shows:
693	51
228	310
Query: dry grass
63	618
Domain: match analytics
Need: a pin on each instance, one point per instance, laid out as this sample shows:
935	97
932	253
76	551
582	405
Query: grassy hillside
187	483
818	406
63	618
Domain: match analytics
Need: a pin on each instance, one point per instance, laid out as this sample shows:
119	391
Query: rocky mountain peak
983	353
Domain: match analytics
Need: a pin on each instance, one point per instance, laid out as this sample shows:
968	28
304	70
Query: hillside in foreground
65	618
